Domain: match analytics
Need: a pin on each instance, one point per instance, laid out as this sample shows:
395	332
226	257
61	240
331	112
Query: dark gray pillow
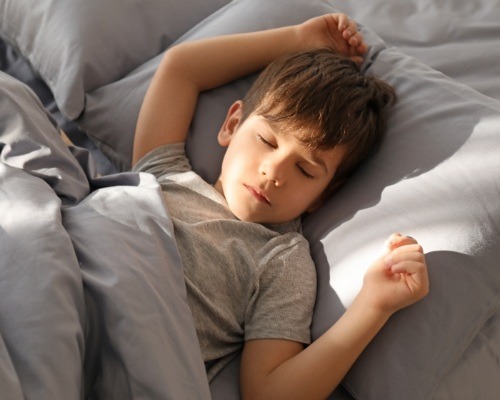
77	46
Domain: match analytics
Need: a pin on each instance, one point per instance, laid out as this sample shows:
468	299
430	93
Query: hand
336	32
399	278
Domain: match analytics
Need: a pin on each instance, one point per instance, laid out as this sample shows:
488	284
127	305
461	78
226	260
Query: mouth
258	195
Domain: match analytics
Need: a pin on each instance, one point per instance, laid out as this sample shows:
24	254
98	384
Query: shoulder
165	160
286	261
291	248
285	292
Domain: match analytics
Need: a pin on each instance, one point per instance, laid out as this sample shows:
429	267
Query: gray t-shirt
244	280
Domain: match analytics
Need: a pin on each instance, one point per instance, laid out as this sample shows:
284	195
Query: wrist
366	302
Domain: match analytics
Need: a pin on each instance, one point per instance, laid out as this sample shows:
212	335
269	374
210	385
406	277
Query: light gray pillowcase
436	179
457	40
77	46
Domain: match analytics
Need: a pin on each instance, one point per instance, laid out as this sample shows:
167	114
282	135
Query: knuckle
418	248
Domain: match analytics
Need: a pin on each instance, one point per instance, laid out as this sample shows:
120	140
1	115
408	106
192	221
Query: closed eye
305	173
263	140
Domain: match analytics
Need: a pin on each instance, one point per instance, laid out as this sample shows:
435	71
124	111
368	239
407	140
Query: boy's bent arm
280	369
192	67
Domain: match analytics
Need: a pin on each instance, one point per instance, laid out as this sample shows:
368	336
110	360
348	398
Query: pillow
455	37
432	179
77	46
114	133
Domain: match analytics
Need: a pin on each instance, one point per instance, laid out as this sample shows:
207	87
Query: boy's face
268	176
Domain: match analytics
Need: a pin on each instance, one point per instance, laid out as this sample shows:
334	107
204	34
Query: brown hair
326	99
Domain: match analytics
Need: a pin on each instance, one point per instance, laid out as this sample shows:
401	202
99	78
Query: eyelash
261	138
307	175
302	170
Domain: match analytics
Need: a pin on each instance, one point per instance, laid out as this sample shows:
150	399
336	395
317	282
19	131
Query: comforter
77	318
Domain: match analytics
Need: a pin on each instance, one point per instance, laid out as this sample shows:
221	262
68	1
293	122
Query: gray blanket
75	321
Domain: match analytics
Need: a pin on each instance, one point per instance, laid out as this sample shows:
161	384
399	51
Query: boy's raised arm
192	67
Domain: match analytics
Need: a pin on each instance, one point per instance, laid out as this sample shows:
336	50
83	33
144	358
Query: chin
245	216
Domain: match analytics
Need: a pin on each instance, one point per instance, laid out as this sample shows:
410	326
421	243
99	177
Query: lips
258	195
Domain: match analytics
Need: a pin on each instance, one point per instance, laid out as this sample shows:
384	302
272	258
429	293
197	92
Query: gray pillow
114	133
77	46
457	40
435	178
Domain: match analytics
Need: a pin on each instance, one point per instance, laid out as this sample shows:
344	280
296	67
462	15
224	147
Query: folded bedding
434	178
74	320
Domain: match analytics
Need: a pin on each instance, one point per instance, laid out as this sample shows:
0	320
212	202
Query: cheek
234	165
314	194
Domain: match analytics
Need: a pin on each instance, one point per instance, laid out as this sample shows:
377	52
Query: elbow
174	59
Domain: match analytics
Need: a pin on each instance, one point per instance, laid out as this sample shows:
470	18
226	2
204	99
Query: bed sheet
75	322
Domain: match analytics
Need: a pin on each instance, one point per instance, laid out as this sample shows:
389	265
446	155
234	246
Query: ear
231	123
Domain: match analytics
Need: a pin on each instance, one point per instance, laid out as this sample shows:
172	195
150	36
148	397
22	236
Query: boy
250	279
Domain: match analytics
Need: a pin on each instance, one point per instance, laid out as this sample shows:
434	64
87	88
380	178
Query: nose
273	169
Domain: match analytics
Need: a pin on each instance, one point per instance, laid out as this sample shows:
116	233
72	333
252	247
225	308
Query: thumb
390	243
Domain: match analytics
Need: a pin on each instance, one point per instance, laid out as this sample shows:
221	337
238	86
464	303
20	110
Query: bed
92	299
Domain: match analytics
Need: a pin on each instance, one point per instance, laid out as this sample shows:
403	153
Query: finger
356	39
398	264
353	41
397	240
411	252
351	30
357	59
362	48
411	266
342	21
407	247
394	238
414	273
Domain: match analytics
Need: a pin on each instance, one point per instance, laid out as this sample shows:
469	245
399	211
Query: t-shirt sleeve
285	293
165	160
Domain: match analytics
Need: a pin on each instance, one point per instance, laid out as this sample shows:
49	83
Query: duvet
77	318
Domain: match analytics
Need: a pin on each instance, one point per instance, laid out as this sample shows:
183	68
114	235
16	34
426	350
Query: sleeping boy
310	118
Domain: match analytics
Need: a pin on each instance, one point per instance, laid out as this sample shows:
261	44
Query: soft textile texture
92	293
456	37
432	180
78	46
435	178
